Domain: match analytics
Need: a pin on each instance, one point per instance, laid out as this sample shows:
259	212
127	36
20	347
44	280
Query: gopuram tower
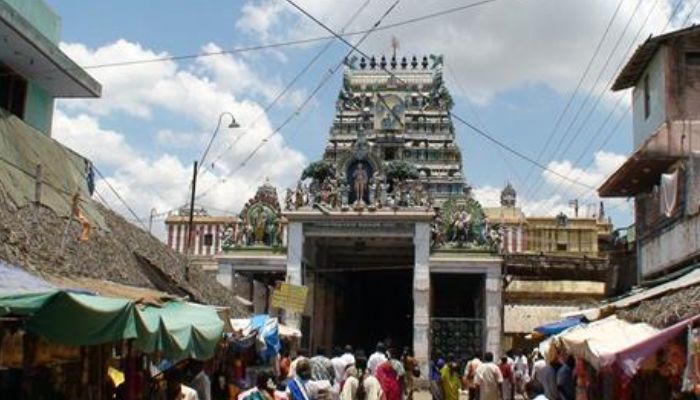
384	218
396	126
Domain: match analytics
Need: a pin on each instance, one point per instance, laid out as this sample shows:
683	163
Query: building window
13	91
647	98
208	239
693	58
561	247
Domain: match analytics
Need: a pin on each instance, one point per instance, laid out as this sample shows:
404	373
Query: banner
290	297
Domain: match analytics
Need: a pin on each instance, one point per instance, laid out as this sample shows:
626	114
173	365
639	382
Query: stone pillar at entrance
421	296
295	251
494	306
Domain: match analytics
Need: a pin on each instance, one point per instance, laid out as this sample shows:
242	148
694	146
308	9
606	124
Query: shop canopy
599	342
267	331
176	329
554	328
629	360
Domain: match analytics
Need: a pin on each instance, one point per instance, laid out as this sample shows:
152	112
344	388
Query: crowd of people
515	376
345	375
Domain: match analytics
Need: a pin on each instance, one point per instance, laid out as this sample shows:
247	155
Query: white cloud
152	178
491	48
259	18
83	133
554	196
604	163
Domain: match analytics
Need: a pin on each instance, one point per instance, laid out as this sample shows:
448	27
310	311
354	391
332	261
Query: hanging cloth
668	193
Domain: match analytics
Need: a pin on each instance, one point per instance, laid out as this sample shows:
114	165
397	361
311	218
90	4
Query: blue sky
511	66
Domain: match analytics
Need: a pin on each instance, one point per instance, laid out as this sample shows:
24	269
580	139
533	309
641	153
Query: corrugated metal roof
633	70
692	278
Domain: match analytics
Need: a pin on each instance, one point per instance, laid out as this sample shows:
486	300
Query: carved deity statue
289	200
299	195
360	183
460	226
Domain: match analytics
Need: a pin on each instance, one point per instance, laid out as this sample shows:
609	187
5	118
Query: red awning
629	360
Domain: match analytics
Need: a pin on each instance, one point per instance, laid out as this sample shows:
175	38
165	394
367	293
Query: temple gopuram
383	231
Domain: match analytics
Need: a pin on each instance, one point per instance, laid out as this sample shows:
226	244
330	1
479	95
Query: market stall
63	343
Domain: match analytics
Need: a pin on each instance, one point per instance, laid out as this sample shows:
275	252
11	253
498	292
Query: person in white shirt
537	367
176	390
521	371
187	393
348	356
489	379
377	358
201	382
535	391
350	385
339	367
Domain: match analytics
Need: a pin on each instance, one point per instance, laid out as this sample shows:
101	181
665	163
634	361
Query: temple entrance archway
363	290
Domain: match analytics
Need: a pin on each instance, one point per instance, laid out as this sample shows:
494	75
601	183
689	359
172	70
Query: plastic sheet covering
177	329
553	328
64	172
669	193
693	189
15	280
599	341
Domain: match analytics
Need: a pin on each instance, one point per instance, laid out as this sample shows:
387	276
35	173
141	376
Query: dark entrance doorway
376	305
363	292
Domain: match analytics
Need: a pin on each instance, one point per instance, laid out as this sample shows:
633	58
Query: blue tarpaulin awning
559	326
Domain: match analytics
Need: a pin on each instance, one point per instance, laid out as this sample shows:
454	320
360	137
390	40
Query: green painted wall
38	110
40	15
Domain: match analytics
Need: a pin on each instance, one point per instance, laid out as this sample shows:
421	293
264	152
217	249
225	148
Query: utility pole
150	220
191	220
574	204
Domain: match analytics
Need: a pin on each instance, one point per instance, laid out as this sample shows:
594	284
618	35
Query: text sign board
290	297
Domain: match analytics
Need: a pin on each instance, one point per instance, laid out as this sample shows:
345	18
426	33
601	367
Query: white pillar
295	251
494	311
259	297
224	275
421	297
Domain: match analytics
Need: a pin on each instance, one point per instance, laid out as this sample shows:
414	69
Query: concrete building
552	235
663	172
552	265
33	69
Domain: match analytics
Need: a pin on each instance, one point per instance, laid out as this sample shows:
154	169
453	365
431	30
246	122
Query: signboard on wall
290	297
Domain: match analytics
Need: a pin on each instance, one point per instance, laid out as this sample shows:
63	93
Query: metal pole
150	220
190	222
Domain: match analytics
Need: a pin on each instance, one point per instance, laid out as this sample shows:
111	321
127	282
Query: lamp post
232	125
190	222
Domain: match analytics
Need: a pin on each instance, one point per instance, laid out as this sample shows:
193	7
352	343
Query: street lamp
233	124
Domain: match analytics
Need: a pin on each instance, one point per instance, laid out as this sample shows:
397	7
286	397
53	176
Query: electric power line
270	46
674	11
539	182
120	198
455	116
569	102
288	87
298	110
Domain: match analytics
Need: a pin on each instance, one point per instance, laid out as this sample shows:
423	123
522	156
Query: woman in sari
389	380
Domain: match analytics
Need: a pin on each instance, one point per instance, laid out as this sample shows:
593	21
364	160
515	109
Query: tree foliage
401	170
318	170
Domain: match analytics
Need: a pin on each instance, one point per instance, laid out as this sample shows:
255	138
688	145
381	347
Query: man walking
377	358
489	379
